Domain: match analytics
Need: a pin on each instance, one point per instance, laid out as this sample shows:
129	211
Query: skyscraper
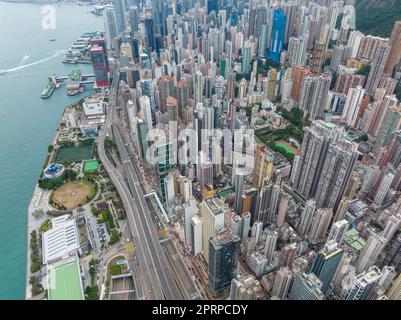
377	68
222	262
282	283
277	36
395	51
352	104
318	57
246	58
270	246
361	286
119	9
370	252
245	287
326	263
313	95
100	66
395	291
306	287
337	231
150	33
196	235
110	25
212	222
323	169
383	189
307	216
320	225
390	124
133	19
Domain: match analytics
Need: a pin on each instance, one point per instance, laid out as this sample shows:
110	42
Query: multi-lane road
153	278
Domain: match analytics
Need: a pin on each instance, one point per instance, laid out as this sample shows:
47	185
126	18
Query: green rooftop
353	239
65	282
91	166
225	193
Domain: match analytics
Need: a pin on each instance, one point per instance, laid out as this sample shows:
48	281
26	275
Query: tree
50	148
114	237
92	293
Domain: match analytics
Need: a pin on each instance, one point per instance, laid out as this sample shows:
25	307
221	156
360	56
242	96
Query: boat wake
56	54
24	58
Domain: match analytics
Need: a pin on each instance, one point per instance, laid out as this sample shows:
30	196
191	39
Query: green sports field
65	282
74	154
287	147
91	166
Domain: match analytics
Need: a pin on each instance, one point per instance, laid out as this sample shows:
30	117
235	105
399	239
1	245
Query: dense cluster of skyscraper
321	225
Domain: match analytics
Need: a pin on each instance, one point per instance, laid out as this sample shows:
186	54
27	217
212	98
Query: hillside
377	17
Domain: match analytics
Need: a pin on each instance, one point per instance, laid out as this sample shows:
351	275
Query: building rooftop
60	241
65	282
352	239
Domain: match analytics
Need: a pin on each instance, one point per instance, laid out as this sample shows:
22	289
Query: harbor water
27	122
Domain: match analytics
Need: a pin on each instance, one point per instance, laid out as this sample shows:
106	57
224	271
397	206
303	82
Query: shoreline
40	199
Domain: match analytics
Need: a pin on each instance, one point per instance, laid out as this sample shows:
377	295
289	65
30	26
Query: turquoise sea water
28	123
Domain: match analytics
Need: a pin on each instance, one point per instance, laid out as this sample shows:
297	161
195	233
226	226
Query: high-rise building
307	216
370	252
390	124
212	222
320	225
318	57
222	262
119	9
165	85
338	230
352	104
263	166
339	57
277	36
245	287
282	283
377	68
383	189
314	174
306	287
190	211
314	95
395	291
110	25
150	33
166	162
395	51
100	66
361	286
300	72
246	58
347	78
133	13
392	225
270	246
196	235
326	263
296	54
287	255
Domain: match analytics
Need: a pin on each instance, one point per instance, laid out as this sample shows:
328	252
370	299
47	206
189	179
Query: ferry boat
48	91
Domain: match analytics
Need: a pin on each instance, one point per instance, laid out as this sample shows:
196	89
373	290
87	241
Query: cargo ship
48	91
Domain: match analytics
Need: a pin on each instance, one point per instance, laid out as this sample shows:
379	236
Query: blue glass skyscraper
278	36
326	263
